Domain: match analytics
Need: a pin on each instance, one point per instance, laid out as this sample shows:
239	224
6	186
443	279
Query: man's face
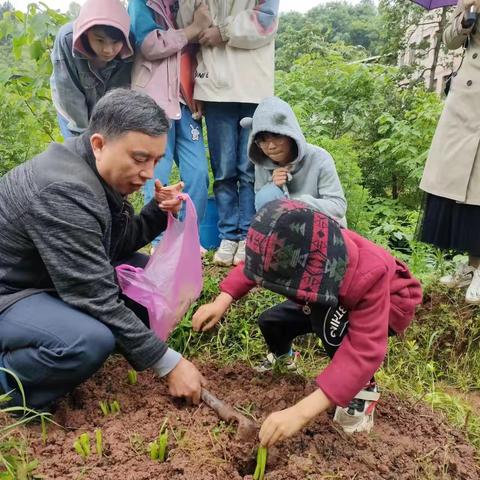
127	162
105	48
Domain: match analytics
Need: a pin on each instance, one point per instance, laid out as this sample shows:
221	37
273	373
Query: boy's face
127	162
277	147
105	48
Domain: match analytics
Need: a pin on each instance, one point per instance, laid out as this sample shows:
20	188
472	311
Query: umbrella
433	4
470	18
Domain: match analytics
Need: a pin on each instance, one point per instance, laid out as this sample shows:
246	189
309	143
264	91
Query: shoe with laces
240	253
287	362
358	416
225	253
461	277
473	291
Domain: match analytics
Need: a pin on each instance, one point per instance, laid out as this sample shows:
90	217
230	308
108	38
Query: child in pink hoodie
90	56
350	292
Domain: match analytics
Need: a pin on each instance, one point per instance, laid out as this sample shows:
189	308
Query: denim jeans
184	146
233	172
63	124
266	194
53	347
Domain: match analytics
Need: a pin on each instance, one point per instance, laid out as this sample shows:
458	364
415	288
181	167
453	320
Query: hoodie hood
102	12
296	251
275	116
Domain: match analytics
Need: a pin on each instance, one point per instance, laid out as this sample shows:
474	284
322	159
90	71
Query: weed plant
15	462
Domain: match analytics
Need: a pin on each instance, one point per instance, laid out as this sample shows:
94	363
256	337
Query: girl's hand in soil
208	315
283	424
186	381
167	197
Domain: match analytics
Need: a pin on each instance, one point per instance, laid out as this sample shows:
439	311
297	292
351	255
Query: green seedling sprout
82	445
132	377
158	448
162	446
104	407
115	407
261	463
99	442
109	408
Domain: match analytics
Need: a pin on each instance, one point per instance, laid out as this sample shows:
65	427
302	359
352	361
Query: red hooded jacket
379	292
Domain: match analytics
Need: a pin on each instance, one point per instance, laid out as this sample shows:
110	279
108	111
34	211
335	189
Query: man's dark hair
121	111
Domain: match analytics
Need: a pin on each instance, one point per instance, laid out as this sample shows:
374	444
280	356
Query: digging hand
284	423
186	381
208	315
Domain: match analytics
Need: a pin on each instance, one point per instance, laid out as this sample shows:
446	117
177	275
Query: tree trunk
436	52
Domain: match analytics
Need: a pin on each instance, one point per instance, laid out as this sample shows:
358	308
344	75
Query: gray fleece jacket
61	226
314	179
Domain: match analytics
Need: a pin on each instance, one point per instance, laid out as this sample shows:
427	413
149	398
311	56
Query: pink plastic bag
172	279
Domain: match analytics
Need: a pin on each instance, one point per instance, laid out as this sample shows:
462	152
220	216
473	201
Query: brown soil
408	441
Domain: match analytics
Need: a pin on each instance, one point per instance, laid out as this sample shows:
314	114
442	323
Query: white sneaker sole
364	425
472	301
221	262
463	283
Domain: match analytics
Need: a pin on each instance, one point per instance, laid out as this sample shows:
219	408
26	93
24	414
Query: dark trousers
52	347
288	320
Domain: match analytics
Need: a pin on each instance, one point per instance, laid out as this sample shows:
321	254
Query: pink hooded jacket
76	83
102	12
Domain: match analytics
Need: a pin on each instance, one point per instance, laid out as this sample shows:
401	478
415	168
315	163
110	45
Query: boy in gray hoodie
287	166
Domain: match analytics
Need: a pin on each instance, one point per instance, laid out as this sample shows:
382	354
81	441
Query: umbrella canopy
433	4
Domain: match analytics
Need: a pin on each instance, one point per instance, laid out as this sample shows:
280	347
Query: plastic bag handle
190	212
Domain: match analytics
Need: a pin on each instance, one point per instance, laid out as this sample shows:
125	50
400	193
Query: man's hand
208	315
210	37
168	197
284	423
280	176
186	381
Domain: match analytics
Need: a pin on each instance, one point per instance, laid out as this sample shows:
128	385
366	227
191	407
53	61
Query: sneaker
225	253
358	416
460	278
203	251
287	361
473	291
240	253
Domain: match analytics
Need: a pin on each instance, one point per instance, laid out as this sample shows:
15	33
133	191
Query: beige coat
453	165
241	69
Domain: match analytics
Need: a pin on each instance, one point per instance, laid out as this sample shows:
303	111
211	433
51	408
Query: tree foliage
27	119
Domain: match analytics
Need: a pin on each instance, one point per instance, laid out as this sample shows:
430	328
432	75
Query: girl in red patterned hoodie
349	291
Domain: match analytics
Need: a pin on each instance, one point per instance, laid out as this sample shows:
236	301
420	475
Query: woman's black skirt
450	225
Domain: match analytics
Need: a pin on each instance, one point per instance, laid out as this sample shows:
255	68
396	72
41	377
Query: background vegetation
336	66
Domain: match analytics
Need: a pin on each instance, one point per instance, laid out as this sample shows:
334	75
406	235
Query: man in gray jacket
64	223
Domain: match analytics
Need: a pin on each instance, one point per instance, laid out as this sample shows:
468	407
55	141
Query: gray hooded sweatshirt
313	177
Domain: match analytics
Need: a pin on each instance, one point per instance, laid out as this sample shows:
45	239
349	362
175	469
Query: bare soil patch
409	441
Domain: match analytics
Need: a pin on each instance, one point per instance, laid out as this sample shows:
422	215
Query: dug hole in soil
409	441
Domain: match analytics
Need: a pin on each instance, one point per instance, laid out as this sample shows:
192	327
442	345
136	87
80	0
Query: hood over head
102	12
275	116
297	252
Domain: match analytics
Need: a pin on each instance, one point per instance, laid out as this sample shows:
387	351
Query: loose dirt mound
408	442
